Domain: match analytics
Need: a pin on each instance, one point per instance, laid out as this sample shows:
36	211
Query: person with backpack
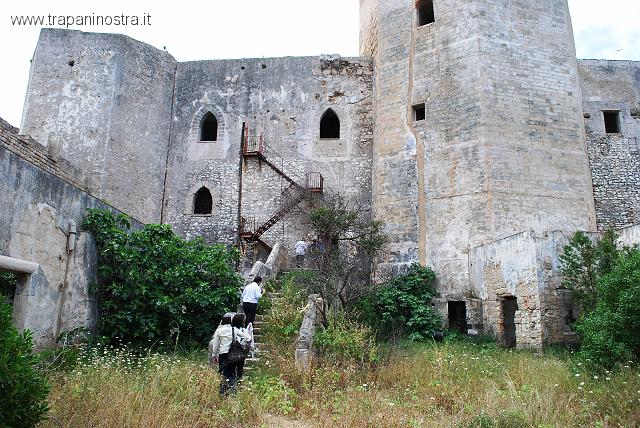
229	348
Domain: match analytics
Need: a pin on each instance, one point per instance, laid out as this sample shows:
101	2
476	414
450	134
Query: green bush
23	391
585	262
403	306
610	332
346	342
154	285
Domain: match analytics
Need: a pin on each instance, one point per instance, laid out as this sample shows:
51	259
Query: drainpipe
71	246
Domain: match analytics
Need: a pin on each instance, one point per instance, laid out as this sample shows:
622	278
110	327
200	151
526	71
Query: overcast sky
255	28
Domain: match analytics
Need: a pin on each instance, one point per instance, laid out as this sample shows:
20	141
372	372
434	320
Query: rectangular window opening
419	112
425	12
611	122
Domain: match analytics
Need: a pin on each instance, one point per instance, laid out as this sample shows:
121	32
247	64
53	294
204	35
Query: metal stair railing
312	182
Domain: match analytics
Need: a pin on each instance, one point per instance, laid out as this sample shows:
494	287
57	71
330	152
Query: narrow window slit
419	112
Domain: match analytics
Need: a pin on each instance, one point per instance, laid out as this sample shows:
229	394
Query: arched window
425	12
329	125
202	202
209	128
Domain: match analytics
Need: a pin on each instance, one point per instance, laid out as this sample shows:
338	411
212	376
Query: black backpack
237	351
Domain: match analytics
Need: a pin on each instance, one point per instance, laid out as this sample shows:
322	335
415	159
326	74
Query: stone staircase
261	350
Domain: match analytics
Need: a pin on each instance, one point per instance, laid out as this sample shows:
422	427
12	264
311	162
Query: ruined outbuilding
469	127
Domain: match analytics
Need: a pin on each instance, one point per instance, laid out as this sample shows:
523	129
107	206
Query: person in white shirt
250	298
301	249
229	328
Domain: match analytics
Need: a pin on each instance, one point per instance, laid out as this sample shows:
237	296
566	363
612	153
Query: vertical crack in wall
420	150
166	163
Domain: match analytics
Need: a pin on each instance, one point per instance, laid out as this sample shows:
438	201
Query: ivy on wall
153	285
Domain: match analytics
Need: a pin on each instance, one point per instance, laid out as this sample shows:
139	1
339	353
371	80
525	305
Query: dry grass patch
450	385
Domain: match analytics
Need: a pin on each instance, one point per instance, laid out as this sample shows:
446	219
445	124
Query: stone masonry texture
614	158
510	159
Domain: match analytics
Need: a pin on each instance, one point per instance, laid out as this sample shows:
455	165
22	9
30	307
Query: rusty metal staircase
302	185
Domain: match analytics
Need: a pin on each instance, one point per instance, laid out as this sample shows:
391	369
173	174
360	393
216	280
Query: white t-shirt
301	248
252	293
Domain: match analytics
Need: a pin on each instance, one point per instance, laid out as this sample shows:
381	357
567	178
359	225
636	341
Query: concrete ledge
17	265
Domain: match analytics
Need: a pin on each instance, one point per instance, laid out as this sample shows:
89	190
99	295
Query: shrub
154	285
611	331
23	391
345	341
285	314
403	305
585	262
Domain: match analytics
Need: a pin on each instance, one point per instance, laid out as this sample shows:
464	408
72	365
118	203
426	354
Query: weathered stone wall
525	266
614	157
282	99
630	236
502	147
40	197
104	102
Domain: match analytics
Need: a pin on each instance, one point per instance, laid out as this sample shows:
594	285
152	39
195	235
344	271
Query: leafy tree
154	285
348	242
23	391
402	305
585	262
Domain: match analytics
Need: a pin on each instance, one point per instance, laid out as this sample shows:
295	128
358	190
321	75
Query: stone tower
479	130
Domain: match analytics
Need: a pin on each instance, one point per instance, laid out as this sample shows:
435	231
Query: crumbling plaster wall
104	101
282	99
502	147
614	158
37	204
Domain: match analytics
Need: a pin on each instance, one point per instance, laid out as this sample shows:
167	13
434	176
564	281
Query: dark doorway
509	308
458	316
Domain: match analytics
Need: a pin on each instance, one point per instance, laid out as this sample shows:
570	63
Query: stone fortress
468	126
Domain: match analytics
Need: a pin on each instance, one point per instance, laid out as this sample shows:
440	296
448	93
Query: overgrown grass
456	384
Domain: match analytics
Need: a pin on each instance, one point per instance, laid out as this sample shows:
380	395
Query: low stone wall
311	321
276	261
